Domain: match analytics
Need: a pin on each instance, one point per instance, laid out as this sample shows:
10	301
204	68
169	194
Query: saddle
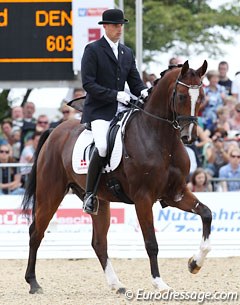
85	145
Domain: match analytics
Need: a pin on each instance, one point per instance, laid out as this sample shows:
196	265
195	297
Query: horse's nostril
185	139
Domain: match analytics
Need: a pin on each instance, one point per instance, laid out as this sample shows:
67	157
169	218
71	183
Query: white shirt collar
111	43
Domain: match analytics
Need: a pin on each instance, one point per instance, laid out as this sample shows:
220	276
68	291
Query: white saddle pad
80	156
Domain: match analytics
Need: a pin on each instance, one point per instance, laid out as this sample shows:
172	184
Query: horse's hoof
37	290
159	284
192	266
121	290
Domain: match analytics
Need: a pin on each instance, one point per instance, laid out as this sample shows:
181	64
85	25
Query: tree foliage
183	26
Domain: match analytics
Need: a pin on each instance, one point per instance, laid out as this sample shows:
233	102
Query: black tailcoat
103	76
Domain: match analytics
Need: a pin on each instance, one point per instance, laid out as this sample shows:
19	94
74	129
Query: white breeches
99	131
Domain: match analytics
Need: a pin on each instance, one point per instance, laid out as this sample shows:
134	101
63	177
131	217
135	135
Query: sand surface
82	282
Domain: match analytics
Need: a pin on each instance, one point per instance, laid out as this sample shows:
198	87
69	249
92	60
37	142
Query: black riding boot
90	201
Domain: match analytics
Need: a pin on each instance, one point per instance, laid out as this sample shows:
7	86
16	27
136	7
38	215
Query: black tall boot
90	201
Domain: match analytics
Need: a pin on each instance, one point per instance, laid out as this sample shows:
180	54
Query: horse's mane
170	67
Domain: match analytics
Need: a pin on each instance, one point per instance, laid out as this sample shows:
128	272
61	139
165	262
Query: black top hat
113	16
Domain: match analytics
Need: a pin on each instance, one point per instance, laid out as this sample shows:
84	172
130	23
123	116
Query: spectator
77	93
42	123
17	116
235	120
231	171
28	112
16	136
202	140
6	127
230	102
224	80
214	153
67	112
28	152
214	95
29	123
236	87
199	181
146	79
152	78
10	180
174	61
222	118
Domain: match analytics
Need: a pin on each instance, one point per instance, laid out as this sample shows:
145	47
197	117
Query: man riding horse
106	66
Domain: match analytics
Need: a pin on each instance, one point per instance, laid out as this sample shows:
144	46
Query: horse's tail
28	201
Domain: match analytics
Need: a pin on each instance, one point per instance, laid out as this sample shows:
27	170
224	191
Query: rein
173	123
176	118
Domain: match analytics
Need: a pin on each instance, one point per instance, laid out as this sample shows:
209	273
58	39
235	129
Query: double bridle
188	118
176	118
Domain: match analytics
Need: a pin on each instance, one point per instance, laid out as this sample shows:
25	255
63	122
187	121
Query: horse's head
187	96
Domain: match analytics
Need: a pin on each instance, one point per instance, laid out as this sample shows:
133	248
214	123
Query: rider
106	66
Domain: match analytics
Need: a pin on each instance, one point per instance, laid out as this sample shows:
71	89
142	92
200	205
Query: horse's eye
182	97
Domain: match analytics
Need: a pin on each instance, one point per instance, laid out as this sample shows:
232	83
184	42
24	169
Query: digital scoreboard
36	40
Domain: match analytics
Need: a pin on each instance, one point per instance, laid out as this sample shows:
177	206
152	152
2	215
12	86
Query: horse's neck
158	103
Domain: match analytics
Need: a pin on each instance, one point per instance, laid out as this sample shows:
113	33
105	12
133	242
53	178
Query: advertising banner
70	231
86	15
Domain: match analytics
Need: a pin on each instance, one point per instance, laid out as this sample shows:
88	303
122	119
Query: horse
153	168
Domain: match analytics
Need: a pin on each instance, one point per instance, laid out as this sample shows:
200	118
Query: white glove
123	97
144	93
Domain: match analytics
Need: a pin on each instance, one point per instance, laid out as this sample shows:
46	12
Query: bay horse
154	167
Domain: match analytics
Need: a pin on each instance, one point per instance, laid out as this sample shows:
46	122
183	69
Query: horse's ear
201	71
185	68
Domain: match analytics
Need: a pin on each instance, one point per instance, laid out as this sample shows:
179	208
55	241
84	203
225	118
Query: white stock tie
115	50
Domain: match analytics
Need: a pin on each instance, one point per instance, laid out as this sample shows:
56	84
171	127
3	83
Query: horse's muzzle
189	134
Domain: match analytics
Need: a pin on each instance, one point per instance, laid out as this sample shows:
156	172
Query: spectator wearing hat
106	66
214	95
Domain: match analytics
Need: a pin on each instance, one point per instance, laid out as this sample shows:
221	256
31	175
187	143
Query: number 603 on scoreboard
59	43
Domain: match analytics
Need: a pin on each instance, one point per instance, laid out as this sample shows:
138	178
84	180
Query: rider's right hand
123	97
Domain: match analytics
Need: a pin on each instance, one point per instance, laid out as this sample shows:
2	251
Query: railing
216	182
22	168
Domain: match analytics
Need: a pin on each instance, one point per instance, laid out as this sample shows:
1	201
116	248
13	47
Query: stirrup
90	204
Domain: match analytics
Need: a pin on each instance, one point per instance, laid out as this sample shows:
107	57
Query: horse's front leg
196	262
101	224
145	218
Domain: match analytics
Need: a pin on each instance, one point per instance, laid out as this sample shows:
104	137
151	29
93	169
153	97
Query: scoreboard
36	40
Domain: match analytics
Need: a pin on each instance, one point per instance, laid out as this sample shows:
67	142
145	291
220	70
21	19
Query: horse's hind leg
46	206
195	263
101	224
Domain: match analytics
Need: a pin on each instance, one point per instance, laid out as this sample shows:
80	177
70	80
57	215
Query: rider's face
113	31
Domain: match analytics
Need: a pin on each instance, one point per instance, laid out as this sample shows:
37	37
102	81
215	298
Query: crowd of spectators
19	136
215	156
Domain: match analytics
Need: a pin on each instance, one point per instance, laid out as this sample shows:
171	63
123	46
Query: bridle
176	118
190	119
